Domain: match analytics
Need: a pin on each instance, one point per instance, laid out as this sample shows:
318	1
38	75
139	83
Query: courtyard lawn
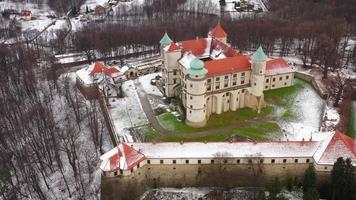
170	122
296	110
259	131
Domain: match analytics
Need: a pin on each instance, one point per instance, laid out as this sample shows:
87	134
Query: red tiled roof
197	46
132	156
340	145
228	51
110	71
218	31
114	160
276	63
98	68
227	65
173	47
26	12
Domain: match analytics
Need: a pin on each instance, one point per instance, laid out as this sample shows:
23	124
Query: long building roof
324	149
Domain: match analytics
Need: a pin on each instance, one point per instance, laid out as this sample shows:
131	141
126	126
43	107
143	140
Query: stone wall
198	175
309	78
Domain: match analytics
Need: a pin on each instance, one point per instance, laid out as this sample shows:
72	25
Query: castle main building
209	76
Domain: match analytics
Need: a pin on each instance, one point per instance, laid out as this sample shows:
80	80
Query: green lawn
170	122
257	131
279	106
283	99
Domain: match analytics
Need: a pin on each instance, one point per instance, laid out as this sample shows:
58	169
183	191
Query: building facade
209	76
136	166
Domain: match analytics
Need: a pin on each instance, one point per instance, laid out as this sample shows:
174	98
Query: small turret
258	61
166	40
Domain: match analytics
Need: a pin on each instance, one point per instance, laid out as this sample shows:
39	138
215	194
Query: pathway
157	126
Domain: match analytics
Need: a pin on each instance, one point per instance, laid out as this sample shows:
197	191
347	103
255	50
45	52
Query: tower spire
166	40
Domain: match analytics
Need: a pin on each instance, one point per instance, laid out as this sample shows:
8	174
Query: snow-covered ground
127	112
307	106
149	88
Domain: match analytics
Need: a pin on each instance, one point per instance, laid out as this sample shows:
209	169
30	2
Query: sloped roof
173	47
165	40
98	68
227	65
198	47
340	145
132	156
259	55
218	31
277	66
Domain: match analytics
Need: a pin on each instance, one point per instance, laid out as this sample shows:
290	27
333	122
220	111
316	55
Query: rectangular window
272	85
199	161
174	81
296	160
138	165
175	72
174	161
212	161
148	161
284	160
243	74
242	82
273	161
217	78
234	83
261	161
274	79
161	161
217	87
225	85
209	80
226	77
287	77
267	80
191	97
235	75
115	173
250	161
225	161
238	161
186	161
191	106
266	87
307	160
280	78
191	85
208	88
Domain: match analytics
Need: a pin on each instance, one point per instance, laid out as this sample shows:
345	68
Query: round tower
195	94
258	62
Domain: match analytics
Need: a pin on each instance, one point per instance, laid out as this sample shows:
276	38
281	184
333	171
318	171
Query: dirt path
157	126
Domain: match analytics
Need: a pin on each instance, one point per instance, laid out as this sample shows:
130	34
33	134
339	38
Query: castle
209	76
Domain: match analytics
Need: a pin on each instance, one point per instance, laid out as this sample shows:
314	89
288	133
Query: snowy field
307	107
149	88
127	112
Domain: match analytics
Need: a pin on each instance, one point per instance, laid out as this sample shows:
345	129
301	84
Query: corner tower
195	90
258	69
218	33
170	53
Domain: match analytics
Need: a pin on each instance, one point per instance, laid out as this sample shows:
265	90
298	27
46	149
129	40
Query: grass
281	99
170	122
257	131
351	127
284	98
